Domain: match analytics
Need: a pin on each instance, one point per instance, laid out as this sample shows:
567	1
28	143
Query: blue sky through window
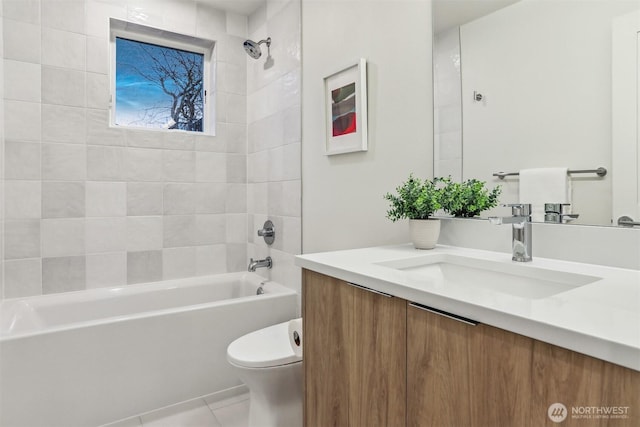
158	87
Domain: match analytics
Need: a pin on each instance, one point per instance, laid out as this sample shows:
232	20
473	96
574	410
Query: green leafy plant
467	199
414	199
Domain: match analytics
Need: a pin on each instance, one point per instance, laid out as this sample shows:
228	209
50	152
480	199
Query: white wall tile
236	198
236	228
22	160
106	235
21	81
63	87
22	199
177	140
211	23
22	10
180	17
105	199
144	198
292	118
144	266
210	197
211	167
63	199
63	274
64	162
22	41
258	167
21	238
232	77
144	233
236	168
211	259
63	14
23	278
236	108
144	138
64	49
179	230
179	199
98	91
106	163
109	269
63	237
98	14
144	164
237	25
179	166
98	54
258	198
22	120
63	124
210	229
100	132
145	13
178	263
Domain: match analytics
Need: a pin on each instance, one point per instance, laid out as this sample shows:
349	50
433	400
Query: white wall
343	205
544	69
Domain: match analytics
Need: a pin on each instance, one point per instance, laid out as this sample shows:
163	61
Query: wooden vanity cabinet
371	360
354	355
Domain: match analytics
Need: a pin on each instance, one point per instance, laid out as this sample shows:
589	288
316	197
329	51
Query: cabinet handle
444	313
364	288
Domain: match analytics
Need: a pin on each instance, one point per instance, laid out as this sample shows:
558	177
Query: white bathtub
93	357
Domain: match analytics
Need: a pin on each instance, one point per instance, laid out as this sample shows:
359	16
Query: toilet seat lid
263	348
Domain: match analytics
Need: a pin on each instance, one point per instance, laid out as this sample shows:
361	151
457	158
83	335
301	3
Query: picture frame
345	93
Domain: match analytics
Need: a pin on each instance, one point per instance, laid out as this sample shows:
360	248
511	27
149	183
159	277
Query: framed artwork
345	93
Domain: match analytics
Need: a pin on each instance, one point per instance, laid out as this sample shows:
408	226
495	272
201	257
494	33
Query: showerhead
253	49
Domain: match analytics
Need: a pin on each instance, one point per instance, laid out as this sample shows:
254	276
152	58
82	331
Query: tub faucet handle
268	232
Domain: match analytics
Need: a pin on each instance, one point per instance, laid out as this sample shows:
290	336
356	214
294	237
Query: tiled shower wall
273	117
87	205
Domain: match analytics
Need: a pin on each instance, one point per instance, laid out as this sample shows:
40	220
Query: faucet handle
519	209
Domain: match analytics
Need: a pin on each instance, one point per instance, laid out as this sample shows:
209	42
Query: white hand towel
295	336
544	185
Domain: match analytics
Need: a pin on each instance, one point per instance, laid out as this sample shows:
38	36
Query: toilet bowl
266	363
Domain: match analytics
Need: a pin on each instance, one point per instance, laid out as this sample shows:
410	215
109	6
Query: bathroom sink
521	280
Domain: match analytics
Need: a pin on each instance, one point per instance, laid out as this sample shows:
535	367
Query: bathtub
93	357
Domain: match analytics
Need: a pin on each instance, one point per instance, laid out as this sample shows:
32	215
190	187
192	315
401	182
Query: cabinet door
591	387
326	327
500	378
461	374
378	361
437	370
354	355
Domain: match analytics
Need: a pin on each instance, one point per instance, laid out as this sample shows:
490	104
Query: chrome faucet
260	263
521	230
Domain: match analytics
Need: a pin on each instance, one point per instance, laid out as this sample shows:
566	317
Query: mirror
527	84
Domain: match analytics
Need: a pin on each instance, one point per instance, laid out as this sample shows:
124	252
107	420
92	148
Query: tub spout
260	263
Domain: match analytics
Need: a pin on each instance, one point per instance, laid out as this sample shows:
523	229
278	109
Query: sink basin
521	280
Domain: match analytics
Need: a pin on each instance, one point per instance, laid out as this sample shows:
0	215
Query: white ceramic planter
424	232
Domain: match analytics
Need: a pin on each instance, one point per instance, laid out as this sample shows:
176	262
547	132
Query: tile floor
230	412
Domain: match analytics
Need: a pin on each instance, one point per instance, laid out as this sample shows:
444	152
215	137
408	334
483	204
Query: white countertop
600	319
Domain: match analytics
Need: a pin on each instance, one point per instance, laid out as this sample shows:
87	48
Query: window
160	79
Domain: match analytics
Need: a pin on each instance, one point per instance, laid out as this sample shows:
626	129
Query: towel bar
600	172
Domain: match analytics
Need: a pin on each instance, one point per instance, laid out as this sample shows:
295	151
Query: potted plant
468	198
417	200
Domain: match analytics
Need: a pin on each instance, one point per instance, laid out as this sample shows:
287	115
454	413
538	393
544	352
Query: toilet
266	363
